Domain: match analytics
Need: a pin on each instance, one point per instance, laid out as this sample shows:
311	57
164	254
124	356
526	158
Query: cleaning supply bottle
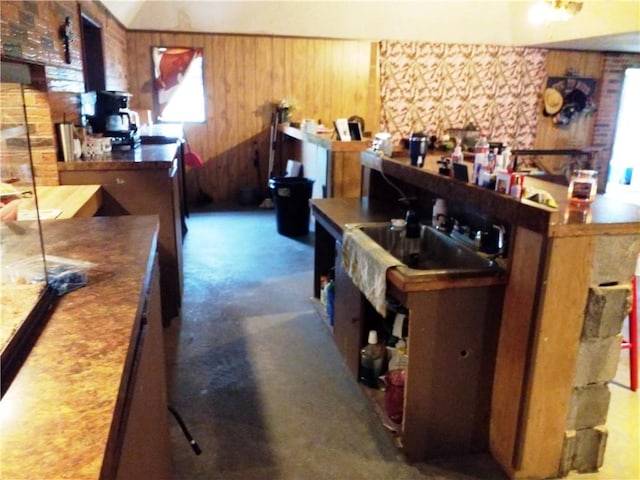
399	360
395	379
371	360
330	288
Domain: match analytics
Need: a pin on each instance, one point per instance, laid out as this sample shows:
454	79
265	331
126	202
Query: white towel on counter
367	263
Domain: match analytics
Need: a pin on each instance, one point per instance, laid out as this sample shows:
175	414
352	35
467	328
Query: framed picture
355	131
503	182
178	84
342	129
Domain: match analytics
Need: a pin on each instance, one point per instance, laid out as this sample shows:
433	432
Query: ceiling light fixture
550	11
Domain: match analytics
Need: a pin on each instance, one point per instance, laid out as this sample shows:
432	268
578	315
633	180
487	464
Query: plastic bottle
395	378
517	187
330	288
457	156
493	158
506	159
323	290
371	361
439	212
481	154
398	230
399	360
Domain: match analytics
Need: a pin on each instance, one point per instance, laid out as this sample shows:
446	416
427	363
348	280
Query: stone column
608	303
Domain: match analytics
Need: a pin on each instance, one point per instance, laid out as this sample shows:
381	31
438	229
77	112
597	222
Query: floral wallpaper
432	87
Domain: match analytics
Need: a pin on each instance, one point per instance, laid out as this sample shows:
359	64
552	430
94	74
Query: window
178	84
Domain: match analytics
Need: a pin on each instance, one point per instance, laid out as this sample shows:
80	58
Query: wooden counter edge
73	200
324	141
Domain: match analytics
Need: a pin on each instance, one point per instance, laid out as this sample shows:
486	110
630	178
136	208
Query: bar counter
606	215
60	415
560	263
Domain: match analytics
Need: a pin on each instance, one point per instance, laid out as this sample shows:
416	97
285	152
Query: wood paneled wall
579	133
244	76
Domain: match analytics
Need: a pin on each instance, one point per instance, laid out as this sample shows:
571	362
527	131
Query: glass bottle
583	186
371	360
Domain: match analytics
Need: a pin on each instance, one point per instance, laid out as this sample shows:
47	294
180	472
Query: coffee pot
117	122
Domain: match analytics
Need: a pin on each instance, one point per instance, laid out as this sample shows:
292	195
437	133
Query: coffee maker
107	112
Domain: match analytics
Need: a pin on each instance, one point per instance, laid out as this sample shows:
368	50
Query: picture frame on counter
341	126
355	131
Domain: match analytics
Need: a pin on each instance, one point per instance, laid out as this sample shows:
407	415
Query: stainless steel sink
438	252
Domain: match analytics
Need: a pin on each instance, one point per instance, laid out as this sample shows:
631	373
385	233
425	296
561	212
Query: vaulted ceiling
611	25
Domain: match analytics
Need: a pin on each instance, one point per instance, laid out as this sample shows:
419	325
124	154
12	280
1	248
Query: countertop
334	213
325	140
159	133
71	200
606	215
57	416
160	156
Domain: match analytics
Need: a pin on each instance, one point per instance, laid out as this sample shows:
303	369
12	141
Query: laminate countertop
160	156
59	414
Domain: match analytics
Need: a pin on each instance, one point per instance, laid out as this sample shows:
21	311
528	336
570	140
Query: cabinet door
146	449
145	192
347	328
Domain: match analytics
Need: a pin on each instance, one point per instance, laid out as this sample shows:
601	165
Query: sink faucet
500	243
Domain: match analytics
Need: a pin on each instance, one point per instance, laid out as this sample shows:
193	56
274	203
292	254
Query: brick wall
615	65
14	154
30	32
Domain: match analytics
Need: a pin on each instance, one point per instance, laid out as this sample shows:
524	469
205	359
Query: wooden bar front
333	165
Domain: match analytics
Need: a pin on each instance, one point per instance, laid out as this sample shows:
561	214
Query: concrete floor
255	374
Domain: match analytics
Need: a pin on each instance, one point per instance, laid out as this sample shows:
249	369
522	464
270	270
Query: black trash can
291	197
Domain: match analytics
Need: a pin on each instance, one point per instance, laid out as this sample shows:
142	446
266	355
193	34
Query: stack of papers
45	214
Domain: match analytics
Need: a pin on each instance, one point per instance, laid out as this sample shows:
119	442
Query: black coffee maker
111	117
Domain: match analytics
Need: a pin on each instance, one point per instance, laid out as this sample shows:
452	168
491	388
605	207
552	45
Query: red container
394	396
